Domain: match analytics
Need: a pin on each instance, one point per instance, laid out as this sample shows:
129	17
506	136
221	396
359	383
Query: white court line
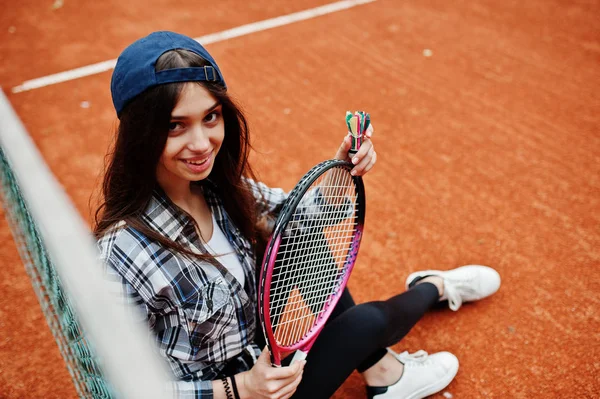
204	40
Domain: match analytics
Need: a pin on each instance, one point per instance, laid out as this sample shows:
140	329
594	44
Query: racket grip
299	355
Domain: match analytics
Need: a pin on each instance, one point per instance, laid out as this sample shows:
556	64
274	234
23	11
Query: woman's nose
199	140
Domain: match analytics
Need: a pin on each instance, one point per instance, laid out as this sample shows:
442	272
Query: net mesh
93	327
80	357
313	255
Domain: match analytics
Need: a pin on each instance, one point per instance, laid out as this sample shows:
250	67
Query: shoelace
454	298
456	292
417	358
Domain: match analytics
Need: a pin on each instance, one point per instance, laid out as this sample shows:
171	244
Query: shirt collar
170	220
164	216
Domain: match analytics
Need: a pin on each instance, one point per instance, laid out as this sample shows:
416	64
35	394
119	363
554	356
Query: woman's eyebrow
208	111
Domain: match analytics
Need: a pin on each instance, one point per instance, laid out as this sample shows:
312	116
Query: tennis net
107	354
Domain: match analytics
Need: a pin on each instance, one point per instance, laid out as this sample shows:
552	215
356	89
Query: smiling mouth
201	162
198	164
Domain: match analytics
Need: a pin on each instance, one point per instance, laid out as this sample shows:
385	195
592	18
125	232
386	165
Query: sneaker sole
434	388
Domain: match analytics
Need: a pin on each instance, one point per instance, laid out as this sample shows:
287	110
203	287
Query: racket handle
299	355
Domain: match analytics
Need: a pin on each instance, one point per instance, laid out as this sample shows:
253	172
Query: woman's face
196	133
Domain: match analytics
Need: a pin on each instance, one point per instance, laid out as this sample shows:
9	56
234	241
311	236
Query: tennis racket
311	253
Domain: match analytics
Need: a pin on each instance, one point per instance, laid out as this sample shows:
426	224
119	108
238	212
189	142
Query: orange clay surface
487	130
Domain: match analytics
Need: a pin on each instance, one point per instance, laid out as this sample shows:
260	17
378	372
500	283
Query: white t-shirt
220	245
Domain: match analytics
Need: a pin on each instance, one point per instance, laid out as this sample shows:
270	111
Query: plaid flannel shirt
203	320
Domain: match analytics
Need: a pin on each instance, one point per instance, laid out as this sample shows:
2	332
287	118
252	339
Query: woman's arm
268	199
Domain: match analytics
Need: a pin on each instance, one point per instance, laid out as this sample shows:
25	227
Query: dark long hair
130	176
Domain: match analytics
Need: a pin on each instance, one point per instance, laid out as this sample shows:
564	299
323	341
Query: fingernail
353	173
355	160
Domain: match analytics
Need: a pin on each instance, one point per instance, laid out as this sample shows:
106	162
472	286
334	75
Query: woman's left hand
366	156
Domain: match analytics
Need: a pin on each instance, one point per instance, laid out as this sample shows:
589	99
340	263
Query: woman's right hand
264	381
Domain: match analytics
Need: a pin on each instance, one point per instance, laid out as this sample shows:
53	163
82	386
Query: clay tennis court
487	130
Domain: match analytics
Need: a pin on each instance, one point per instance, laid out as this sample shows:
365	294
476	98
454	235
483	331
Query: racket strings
335	246
324	277
316	286
312	255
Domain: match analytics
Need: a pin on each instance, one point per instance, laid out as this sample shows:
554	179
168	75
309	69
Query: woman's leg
356	337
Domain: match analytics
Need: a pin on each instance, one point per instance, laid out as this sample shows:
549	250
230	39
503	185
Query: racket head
293	306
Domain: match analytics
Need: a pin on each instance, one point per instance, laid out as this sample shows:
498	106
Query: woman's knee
369	319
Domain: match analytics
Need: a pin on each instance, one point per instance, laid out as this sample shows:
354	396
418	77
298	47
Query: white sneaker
423	375
463	284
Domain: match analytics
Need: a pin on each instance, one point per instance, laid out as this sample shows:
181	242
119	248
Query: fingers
265	357
294	372
288	373
362	151
281	374
342	152
370	131
371	163
280	386
267	382
289	385
278	373
364	159
289	389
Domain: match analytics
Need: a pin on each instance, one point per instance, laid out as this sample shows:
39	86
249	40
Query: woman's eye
174	126
212	117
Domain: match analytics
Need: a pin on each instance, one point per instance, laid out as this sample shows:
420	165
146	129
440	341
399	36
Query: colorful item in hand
358	123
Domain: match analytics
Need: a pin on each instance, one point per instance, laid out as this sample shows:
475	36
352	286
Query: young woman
183	221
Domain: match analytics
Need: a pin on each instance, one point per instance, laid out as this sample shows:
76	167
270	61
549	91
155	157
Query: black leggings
355	338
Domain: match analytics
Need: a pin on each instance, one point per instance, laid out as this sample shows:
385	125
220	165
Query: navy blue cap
135	69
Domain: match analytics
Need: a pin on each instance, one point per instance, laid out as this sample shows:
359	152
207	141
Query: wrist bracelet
234	386
227	388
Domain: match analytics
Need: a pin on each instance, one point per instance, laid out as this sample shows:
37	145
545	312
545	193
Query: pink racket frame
278	353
